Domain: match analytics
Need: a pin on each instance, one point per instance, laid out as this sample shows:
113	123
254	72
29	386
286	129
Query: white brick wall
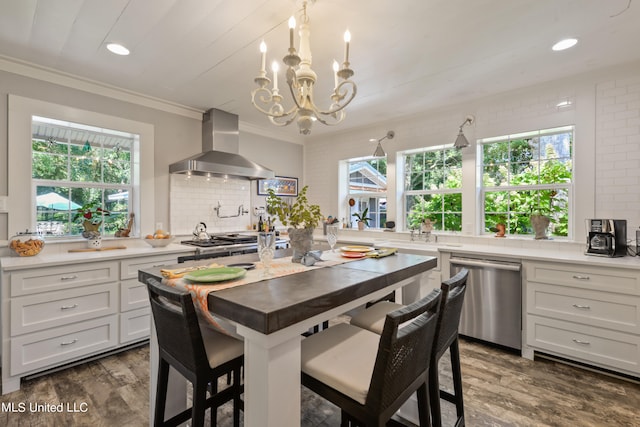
617	174
192	200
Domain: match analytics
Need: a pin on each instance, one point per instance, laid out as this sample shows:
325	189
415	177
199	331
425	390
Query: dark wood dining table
272	314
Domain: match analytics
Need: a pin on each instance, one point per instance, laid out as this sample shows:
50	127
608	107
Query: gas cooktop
222	240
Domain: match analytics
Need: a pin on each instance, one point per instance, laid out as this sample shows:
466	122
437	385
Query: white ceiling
421	55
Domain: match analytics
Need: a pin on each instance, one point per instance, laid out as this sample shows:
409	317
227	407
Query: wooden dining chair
453	291
201	355
370	376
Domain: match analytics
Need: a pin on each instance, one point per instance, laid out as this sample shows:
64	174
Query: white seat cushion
220	348
343	358
372	319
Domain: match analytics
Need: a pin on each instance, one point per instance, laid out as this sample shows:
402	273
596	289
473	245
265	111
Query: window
526	174
433	188
368	188
74	165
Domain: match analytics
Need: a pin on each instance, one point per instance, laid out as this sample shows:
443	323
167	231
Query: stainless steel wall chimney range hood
220	146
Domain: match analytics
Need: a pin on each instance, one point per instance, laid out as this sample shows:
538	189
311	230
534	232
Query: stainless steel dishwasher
492	309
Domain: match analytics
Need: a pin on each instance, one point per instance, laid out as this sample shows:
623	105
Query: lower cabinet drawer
135	325
129	267
625	281
133	294
46	349
37	280
594	308
43	311
602	347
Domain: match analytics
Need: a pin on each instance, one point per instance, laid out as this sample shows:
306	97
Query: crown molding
51	75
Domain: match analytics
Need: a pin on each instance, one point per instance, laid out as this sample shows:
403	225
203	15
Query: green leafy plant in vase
300	216
92	216
363	219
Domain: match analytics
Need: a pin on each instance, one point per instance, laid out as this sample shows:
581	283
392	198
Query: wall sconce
461	140
379	150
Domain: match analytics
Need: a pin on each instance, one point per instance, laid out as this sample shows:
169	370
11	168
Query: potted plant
91	215
363	219
300	216
500	226
539	223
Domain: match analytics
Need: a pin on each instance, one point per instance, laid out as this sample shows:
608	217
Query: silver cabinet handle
498	265
581	342
578	277
75	340
69	277
582	307
68	307
158	265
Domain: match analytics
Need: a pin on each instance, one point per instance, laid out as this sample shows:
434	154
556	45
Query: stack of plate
355	251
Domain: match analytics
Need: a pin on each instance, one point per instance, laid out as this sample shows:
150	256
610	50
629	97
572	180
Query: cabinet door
37	280
32	313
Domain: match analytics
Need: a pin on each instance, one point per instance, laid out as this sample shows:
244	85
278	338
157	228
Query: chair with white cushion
453	290
370	376
201	355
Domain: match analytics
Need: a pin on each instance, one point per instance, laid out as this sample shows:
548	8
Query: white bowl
159	243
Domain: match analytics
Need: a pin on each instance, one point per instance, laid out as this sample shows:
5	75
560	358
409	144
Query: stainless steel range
225	245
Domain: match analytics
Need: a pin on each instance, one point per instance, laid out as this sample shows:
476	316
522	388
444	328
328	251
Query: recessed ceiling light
564	44
118	49
562	104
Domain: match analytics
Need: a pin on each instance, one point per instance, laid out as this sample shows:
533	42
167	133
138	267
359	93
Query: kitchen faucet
241	211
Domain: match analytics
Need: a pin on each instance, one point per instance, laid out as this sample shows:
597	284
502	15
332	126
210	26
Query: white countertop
52	256
549	251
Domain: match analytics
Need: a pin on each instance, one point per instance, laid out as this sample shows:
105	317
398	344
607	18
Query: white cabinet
53	315
135	313
431	279
36	280
129	267
133	295
45	310
56	346
584	313
135	325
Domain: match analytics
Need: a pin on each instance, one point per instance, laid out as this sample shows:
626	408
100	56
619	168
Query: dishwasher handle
498	265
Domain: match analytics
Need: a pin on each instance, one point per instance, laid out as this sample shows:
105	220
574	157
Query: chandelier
300	79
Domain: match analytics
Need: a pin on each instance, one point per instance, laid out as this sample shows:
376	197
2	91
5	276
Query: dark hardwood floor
500	389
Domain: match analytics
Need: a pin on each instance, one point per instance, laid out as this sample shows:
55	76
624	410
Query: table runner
279	267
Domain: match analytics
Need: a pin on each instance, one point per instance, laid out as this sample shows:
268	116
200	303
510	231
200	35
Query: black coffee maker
607	237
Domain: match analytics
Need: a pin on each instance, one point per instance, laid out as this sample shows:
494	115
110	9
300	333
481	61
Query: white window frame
361	196
407	193
570	188
98	137
21	192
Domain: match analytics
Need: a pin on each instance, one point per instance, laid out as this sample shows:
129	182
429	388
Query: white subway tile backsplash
195	199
